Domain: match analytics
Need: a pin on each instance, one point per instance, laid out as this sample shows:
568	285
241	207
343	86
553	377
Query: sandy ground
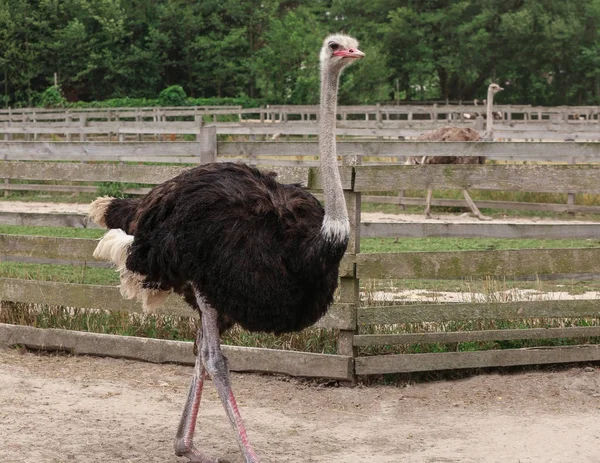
56	408
22	206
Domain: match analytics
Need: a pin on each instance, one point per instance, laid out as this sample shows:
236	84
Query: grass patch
427	327
368	245
58	232
316	340
60	273
374	245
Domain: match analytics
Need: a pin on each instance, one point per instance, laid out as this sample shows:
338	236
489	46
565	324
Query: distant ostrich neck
489	122
336	223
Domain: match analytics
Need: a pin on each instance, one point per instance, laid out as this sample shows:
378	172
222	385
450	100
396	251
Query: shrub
172	96
52	97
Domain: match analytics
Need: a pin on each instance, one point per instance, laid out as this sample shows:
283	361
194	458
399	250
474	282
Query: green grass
59	273
368	245
372	245
315	340
60	232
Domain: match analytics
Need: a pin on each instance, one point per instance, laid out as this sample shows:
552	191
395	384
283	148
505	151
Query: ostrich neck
489	121
335	223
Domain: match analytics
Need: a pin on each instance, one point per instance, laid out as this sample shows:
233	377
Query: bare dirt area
77	208
58	408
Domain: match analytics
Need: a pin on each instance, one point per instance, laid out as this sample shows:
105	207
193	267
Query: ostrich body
458	134
239	246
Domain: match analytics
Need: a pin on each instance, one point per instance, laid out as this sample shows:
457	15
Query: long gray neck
336	226
489	121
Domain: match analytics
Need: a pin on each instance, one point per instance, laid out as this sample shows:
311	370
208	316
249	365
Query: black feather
250	245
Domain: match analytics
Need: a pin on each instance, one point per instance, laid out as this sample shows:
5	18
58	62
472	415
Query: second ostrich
458	134
239	246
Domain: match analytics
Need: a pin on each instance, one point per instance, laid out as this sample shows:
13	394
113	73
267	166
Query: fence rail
283	112
347	316
519	121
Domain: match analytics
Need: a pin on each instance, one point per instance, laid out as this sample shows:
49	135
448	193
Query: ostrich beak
354	53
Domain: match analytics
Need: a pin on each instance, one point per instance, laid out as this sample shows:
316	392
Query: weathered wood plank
14	151
478	230
515	151
37	219
88	172
346	174
477	311
465	264
81	249
392	129
383	364
122	173
446	264
164	351
539	178
339	316
78	249
476	336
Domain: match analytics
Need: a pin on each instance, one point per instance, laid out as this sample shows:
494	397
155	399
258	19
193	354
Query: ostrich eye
333	46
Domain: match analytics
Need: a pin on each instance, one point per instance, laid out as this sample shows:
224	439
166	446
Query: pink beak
350	53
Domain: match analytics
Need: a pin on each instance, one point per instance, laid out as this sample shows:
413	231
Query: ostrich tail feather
114	247
98	210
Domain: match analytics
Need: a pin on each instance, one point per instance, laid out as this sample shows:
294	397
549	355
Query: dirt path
48	207
56	409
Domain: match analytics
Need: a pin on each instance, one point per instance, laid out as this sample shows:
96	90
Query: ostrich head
494	88
338	51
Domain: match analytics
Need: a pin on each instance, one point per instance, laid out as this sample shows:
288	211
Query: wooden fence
520	122
207	148
348	315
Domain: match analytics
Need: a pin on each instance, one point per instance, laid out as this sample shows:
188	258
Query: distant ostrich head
494	88
338	51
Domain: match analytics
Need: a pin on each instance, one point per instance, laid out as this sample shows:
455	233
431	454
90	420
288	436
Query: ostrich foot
480	216
195	456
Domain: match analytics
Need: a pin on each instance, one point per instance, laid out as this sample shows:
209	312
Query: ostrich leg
474	208
216	365
428	204
184	445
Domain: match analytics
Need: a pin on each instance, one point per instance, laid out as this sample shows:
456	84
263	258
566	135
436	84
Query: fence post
35	134
82	124
68	120
26	119
349	286
8	135
570	196
138	123
206	138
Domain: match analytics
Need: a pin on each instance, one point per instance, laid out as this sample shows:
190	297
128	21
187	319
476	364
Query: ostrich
239	247
458	134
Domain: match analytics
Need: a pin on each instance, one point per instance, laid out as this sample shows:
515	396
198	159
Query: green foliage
52	97
114	189
123	53
172	96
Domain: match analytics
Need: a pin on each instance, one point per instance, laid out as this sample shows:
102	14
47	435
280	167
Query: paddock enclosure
134	149
63	408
